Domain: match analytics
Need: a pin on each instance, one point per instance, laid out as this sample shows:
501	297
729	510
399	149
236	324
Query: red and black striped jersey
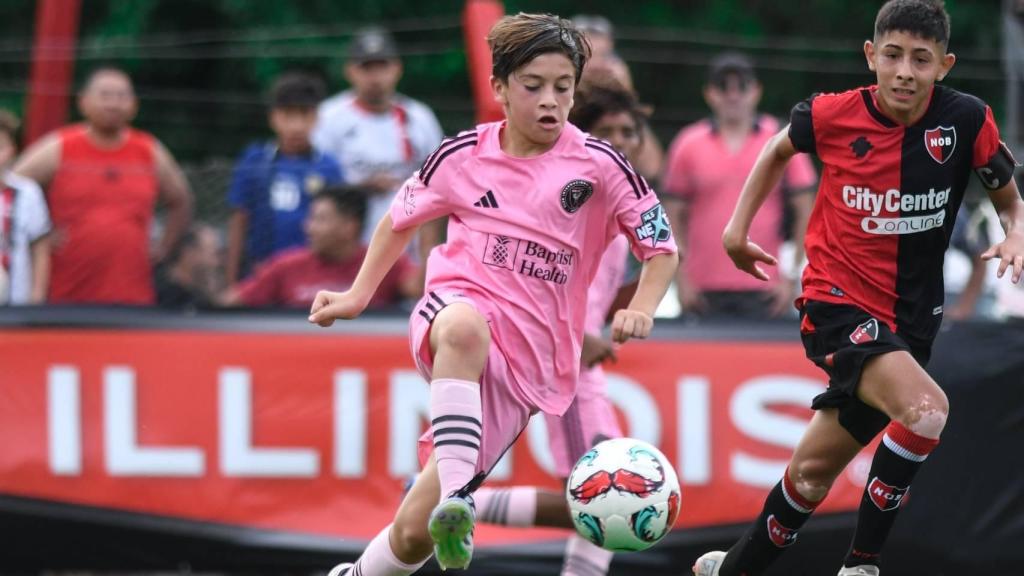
888	197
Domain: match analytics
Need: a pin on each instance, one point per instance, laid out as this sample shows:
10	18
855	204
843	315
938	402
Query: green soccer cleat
451	529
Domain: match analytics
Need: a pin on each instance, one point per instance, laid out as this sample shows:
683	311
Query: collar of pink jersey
560	144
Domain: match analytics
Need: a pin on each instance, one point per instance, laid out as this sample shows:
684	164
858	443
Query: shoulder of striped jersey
603	153
834	101
956	101
450	148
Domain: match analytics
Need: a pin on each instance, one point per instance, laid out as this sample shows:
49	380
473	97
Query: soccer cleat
709	564
862	570
341	569
451	529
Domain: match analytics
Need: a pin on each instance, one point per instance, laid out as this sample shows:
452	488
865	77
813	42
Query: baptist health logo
528	258
895	202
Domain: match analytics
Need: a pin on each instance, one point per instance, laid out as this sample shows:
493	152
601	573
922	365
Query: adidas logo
487	201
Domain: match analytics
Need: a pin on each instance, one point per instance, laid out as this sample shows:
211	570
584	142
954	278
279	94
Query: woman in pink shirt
533	203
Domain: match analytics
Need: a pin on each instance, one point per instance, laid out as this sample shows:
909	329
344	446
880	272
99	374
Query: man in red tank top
103	179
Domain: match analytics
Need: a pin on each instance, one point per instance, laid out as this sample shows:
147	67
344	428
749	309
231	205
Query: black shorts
839	339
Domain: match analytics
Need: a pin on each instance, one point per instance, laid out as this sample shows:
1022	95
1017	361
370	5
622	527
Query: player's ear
869	54
500	89
947	64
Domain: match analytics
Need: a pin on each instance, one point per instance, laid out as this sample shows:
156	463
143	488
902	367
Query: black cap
730	64
370	44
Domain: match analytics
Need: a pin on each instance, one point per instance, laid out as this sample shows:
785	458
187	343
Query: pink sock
516	506
584	559
379	560
455	413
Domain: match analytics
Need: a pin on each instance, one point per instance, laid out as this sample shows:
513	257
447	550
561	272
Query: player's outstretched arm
637	319
766	174
385	248
1010	251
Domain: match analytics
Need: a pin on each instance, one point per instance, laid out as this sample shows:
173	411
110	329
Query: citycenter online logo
895	202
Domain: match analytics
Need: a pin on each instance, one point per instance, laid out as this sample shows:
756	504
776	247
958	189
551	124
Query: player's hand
631	324
596	350
781	297
330	306
1010	253
746	255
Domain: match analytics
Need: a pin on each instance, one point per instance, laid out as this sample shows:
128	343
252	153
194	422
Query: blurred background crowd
219	156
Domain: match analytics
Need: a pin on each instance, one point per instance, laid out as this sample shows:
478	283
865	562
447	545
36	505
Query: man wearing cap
274	182
707	165
379	136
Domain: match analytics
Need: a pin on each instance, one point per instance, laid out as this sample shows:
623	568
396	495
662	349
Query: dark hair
347	200
923	18
596	98
103	69
516	40
9	124
297	90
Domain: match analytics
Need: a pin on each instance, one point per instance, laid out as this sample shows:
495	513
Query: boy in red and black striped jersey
896	159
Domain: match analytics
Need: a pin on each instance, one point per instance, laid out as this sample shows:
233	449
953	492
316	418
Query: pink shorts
589	420
505	412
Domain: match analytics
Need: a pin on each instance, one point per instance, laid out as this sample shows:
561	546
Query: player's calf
893	468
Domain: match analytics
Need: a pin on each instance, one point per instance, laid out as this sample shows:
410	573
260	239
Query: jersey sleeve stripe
623	163
446	143
425	177
631	176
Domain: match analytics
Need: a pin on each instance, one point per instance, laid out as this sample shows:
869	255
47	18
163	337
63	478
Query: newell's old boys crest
779	534
940	143
866	332
654	226
884	496
575	193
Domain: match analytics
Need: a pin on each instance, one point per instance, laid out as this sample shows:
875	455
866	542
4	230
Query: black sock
785	511
896	461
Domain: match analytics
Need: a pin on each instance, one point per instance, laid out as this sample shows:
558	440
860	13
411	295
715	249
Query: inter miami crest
575	193
940	143
866	332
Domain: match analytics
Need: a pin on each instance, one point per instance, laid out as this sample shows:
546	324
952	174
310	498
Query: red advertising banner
317	434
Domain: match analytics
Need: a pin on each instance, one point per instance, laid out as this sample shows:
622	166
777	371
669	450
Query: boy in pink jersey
612	113
532	203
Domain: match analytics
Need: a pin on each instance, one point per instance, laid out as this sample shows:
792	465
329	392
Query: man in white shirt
24	227
379	137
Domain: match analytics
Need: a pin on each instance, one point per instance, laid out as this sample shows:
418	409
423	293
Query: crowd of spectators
78	209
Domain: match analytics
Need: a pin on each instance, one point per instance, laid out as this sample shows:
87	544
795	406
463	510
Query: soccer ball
623	495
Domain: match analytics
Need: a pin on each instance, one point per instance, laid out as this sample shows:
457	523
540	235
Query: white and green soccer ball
623	495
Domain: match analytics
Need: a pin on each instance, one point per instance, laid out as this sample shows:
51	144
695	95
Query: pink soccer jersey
525	237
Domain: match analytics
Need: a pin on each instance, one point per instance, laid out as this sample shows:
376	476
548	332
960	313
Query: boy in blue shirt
274	182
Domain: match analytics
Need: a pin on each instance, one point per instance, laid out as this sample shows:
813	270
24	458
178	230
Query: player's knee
411	540
926	416
465	331
813	478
